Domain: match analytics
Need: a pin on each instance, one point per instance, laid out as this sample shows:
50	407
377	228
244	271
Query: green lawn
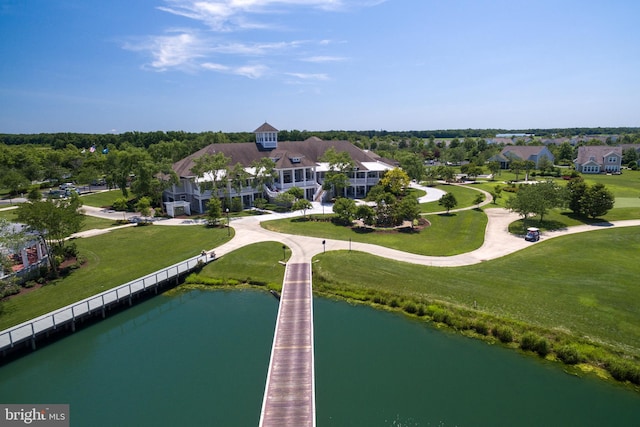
259	262
554	285
464	196
452	234
103	198
113	259
90	222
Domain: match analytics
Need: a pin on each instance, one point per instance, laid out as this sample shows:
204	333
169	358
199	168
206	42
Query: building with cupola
295	164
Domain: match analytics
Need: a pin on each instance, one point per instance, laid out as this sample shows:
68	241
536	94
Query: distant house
598	158
522	152
297	164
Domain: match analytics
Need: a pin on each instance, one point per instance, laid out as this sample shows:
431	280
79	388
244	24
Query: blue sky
229	65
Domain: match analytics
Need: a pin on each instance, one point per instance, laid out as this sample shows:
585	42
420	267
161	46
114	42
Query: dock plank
289	398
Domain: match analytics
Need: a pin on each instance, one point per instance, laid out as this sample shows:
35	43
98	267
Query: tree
367	214
576	188
265	173
296	192
412	164
536	199
431	174
478	199
494	168
629	155
473	171
345	209
597	201
516	167
448	201
528	165
445	173
144	207
238	178
409	209
336	177
301	205
214	211
211	170
496	193
54	221
34	193
565	152
285	200
13	180
395	181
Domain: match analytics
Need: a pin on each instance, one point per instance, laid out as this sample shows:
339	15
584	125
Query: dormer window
295	159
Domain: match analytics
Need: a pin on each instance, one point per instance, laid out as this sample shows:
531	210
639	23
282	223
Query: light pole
228	227
284	252
324	248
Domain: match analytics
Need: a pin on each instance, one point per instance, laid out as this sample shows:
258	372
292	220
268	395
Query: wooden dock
289	398
28	333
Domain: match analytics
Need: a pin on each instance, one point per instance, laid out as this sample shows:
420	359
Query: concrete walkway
498	242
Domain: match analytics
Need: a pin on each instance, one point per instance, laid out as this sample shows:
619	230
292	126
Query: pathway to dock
289	398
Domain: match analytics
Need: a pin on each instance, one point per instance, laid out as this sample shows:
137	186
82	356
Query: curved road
498	242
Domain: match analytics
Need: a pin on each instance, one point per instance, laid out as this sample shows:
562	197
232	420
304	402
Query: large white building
297	164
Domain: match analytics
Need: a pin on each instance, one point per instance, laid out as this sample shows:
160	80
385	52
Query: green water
200	359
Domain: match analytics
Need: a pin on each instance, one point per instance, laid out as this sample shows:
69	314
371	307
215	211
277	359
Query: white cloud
320	59
199	49
309	76
229	15
250	71
171	51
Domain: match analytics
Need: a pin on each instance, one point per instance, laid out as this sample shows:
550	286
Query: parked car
533	234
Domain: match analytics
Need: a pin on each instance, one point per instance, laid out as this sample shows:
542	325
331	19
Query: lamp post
284	252
228	227
324	248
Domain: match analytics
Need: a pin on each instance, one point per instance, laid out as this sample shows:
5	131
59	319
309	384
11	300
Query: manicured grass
113	259
257	263
103	198
556	285
562	218
9	214
464	196
91	222
452	234
625	185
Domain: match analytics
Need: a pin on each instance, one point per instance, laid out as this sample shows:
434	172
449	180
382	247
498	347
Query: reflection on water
201	358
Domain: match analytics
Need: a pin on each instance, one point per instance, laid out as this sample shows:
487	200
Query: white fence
31	329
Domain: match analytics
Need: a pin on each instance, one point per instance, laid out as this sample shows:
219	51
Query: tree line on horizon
202	139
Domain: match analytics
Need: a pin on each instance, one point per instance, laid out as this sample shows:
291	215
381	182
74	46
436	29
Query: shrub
569	354
410	307
480	327
379	299
503	333
421	310
533	342
624	371
120	204
528	341
441	315
542	347
394	303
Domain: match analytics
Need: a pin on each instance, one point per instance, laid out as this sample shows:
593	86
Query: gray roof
309	152
598	152
523	152
266	127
